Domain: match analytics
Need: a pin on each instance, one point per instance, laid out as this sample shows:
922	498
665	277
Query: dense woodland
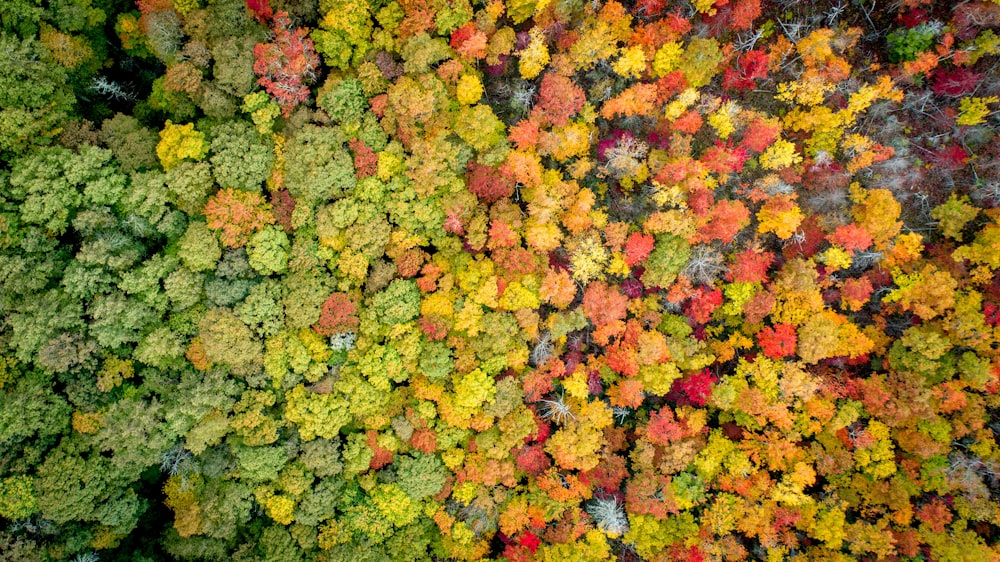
558	280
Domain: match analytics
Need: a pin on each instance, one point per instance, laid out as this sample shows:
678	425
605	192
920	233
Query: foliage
523	280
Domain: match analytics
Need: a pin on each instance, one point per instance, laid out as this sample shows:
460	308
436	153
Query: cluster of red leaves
778	341
287	64
339	314
237	214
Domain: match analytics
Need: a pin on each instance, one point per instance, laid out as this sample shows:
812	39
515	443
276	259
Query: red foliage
936	514
700	199
689	123
488	183
558	100
524	134
702	303
637	248
518	261
529	541
991	312
728	219
751	266
855	292
453	223
147	7
737	15
532	459
743	75
955	82
650	8
621	359
632	287
851	237
723	158
744	12
777	342
664	428
760	134
501	235
408	263
670	84
261	9
283	205
912	18
286	64
462	34
424	440
603	304
365	159
681	553
692	390
434	327
382	457
951	157
237	214
338	315
810	241
825	176
969	17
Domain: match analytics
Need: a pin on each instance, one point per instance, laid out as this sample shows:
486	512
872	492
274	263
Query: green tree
318	165
34	96
241	158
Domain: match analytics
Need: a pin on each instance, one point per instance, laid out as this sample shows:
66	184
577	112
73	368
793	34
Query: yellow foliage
470	89
975	110
684	100
631	63
706	7
178	142
181	499
589	258
67	50
281	509
876	211
779	215
722	119
779	155
836	258
668	58
805	91
534	57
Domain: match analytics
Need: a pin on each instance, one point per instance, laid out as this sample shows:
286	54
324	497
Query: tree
287	64
34	97
178	142
241	158
237	215
318	165
227	340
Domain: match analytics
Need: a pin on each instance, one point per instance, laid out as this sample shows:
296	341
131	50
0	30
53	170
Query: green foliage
319	167
668	258
398	303
345	102
420	475
906	44
241	159
34	97
616	281
268	251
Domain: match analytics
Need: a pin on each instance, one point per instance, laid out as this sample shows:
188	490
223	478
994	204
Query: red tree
488	183
339	314
777	342
237	214
287	64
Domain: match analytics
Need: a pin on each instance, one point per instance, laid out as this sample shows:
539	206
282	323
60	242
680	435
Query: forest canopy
375	280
